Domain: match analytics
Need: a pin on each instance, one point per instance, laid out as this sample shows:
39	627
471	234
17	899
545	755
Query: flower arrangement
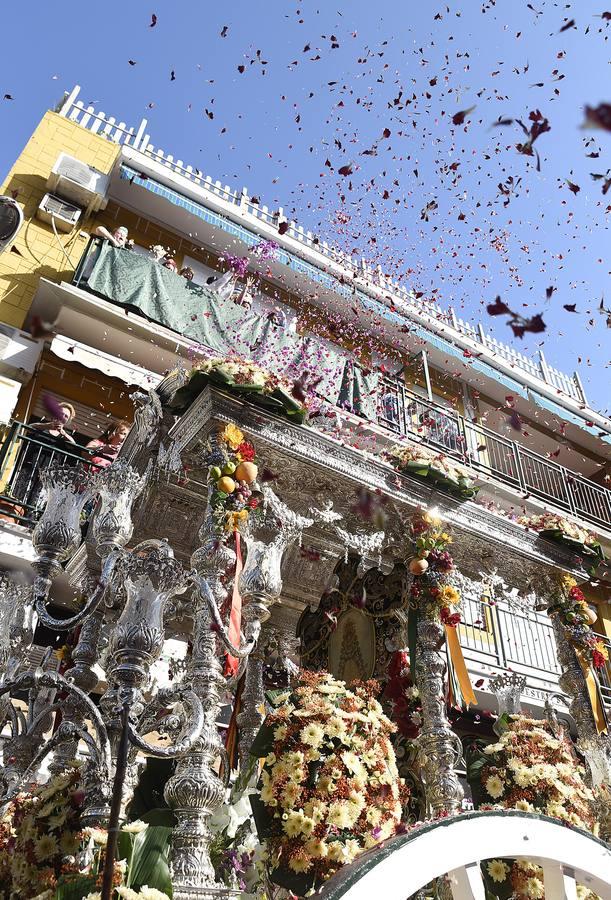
329	786
404	696
564	531
232	477
571	607
244	378
415	459
47	854
530	769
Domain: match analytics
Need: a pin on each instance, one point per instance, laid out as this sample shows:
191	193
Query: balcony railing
486	451
24	453
497	637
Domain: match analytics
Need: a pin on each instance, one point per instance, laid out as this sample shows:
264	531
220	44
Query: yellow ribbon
598	710
458	661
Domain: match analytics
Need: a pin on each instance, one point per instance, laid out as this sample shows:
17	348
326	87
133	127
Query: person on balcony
105	448
41	444
222	285
118	238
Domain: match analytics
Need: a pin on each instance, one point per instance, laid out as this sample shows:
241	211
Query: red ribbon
235	617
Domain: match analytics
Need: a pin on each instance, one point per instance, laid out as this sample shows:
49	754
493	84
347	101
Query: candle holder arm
94	601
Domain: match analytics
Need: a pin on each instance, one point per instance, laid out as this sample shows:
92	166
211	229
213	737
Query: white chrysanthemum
97	835
352	848
267	793
524	806
292	824
135	827
493	748
312	735
534	888
340	814
45	847
316	848
69	842
150	893
523	777
373	815
498	870
495	786
280	732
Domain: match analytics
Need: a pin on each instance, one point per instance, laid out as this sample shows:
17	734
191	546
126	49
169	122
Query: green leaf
501	725
263	743
74	888
263	820
151	859
297	884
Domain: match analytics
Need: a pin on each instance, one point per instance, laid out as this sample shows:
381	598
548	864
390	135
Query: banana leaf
288	401
555	534
263	742
150	860
263	821
74	887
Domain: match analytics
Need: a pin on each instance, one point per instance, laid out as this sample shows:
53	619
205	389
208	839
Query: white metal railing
137	138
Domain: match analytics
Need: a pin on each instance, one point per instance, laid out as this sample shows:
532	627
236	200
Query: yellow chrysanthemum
232	436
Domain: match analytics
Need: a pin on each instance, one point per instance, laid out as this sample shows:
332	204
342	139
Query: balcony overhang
171	200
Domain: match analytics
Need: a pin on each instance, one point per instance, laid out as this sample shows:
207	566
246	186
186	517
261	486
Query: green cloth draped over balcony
229	329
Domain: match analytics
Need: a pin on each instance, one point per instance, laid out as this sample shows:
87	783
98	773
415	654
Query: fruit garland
571	607
232	476
432	593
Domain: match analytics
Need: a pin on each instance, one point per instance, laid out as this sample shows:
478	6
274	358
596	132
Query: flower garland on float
245	379
329	787
534	770
47	854
415	459
433	594
570	607
564	531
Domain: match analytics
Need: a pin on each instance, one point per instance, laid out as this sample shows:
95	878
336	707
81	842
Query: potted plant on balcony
244	378
437	468
563	531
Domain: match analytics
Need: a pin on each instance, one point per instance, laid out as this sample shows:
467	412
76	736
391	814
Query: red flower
598	659
253	503
448	618
576	595
246	451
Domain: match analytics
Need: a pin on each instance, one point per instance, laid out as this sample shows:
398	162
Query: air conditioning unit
76	181
54	209
11	219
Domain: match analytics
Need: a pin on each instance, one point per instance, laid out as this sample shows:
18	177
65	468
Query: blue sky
286	124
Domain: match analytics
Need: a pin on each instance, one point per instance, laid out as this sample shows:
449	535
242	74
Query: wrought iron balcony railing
24	453
484	450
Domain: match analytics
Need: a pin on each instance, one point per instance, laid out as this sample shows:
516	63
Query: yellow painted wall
37	252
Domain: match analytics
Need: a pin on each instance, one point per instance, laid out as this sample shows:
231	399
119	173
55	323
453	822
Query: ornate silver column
195	792
439	747
260	587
